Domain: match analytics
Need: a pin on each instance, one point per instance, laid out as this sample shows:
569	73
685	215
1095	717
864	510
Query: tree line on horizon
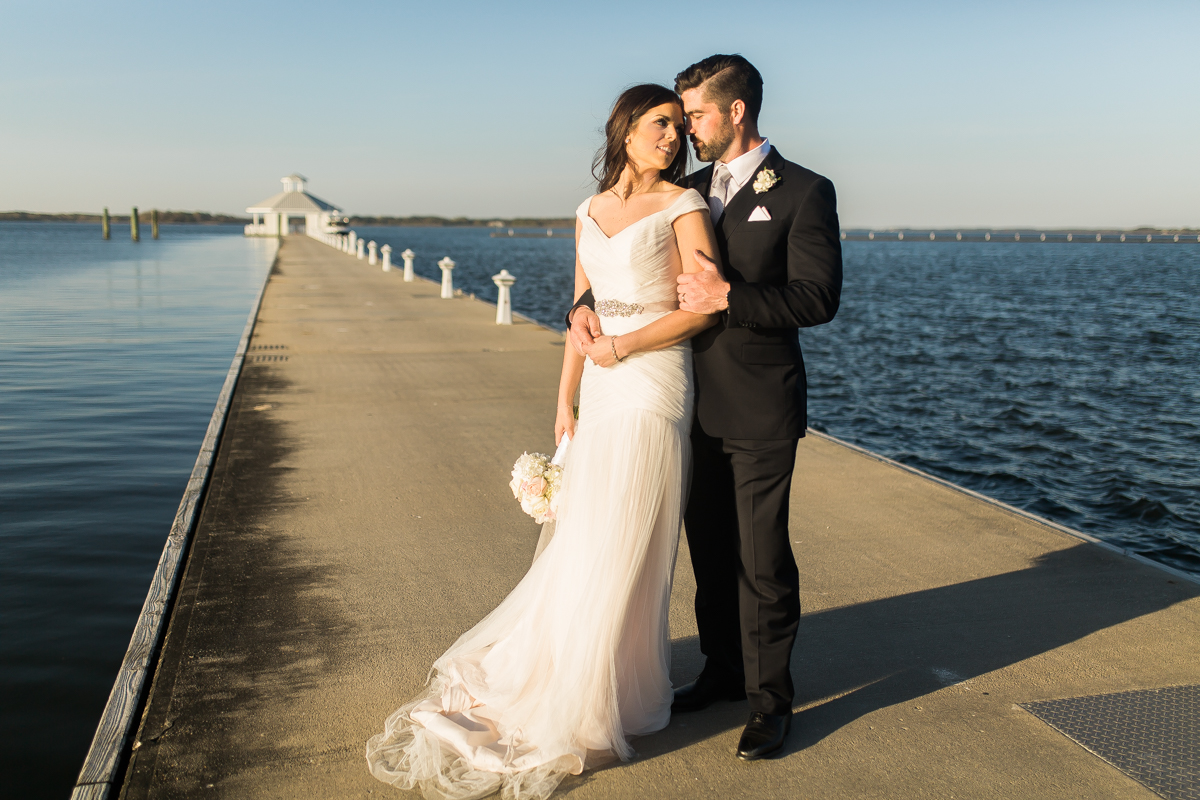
206	218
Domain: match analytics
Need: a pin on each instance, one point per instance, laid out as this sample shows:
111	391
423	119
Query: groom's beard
715	147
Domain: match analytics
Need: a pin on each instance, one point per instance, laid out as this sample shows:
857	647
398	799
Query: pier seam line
113	732
1020	512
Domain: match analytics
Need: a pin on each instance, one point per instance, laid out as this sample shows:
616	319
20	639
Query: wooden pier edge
103	762
1020	512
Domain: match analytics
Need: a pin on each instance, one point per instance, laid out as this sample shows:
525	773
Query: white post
447	282
351	238
408	256
360	249
504	302
372	253
387	257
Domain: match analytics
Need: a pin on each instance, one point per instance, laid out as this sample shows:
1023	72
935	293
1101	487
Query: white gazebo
271	216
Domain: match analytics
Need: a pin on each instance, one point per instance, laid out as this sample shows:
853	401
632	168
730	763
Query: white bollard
372	253
360	249
408	256
447	282
351	242
387	257
504	282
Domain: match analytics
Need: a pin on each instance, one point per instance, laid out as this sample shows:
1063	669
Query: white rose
539	508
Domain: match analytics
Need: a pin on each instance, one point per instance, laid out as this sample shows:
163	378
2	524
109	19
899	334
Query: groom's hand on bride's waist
585	327
704	292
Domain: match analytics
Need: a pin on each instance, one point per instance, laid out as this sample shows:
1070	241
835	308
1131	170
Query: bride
576	659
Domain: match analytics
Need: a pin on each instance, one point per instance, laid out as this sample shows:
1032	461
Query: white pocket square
759	214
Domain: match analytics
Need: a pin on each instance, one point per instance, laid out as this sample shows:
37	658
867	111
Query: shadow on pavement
874	655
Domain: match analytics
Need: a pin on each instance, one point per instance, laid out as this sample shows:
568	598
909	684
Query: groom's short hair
723	79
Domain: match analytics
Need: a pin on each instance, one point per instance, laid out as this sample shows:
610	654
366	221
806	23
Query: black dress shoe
703	692
764	735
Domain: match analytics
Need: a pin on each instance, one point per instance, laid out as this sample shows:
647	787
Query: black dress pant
747	584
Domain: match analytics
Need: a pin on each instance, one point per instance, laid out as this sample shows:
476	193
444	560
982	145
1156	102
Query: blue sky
1037	114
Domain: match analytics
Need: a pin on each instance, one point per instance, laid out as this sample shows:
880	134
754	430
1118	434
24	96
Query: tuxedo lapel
742	203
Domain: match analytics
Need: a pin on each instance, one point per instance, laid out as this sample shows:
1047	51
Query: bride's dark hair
611	159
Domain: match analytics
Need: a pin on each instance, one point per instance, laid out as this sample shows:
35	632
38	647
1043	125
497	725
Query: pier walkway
359	519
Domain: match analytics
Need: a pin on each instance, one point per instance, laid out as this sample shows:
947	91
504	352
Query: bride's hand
600	351
564	422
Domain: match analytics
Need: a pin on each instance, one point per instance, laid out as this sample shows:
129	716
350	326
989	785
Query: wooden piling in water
154	223
104	223
133	225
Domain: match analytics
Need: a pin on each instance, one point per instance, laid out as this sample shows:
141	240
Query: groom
777	231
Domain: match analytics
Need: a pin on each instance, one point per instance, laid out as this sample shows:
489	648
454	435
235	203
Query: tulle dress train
576	659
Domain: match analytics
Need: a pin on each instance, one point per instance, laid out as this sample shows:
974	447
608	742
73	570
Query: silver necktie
716	194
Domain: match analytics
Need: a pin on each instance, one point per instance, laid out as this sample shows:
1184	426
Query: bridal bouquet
536	479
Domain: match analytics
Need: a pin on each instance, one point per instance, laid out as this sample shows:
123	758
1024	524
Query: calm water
1059	378
111	358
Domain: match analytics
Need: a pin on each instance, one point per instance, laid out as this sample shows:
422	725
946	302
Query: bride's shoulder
586	206
685	201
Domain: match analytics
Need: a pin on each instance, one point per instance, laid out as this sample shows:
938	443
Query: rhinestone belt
617	308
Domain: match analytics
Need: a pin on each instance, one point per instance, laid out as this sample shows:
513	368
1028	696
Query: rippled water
1059	378
111	358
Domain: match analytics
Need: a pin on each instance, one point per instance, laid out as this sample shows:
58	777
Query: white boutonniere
764	180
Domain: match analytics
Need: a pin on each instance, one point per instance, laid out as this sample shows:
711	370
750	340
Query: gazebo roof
293	198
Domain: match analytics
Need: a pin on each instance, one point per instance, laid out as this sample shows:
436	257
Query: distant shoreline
853	234
205	218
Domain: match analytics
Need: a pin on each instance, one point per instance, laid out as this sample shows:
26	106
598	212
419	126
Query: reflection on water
111	358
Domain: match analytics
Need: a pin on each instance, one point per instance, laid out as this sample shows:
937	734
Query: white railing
350	243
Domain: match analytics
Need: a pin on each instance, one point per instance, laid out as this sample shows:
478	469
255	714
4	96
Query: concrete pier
359	520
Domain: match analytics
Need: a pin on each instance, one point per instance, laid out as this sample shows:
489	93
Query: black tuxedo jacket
785	273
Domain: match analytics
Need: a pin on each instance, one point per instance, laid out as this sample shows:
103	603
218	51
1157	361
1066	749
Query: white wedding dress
576	658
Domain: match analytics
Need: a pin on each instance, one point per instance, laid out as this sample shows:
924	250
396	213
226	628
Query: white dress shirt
729	178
